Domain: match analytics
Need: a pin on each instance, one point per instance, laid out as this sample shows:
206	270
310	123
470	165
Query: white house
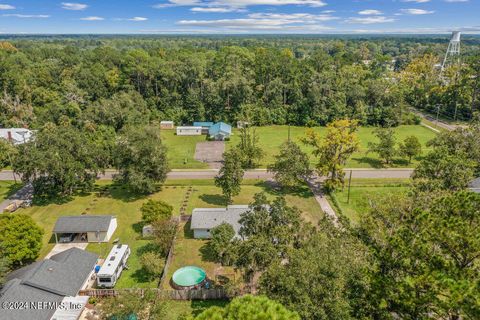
205	219
189	131
16	135
89	228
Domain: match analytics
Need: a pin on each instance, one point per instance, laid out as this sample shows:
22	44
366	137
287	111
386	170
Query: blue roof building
220	131
204	124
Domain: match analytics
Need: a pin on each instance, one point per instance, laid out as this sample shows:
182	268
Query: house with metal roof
85	228
16	135
205	219
203	124
475	185
189	131
47	286
220	131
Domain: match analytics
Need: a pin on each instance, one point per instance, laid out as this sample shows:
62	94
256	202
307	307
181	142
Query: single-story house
16	135
89	228
204	124
205	219
49	286
167	125
475	185
189	131
220	131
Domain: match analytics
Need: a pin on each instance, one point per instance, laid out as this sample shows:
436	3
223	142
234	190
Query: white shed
189	131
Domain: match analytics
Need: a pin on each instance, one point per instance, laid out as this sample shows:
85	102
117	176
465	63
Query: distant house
86	228
475	185
242	124
204	124
167	125
189	131
48	286
220	131
205	219
16	135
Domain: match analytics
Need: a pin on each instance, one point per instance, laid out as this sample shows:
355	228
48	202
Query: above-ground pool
189	276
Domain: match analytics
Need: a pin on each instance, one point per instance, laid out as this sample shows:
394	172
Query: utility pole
349	185
438	112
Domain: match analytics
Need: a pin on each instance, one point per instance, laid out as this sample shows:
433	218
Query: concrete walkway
315	185
60	247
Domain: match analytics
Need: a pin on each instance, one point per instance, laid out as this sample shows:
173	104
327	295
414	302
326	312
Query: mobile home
113	266
189	131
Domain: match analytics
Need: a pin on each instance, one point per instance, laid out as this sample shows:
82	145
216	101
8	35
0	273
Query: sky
238	16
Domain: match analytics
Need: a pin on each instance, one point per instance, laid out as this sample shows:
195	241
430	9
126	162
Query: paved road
255	174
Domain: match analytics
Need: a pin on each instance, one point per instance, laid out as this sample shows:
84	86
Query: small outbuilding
205	219
85	228
220	131
167	125
189	131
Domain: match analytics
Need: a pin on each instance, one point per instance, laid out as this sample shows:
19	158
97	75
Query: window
104	279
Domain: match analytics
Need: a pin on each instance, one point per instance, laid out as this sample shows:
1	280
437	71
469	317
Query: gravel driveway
210	152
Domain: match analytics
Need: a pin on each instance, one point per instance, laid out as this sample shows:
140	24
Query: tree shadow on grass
198	306
12	189
138	227
149	247
207	253
374	163
122	193
141	276
215	199
273	188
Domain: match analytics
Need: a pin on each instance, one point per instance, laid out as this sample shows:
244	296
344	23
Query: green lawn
179	309
116	200
363	191
8	188
272	137
181	150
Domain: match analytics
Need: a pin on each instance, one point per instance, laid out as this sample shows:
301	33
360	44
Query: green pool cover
189	276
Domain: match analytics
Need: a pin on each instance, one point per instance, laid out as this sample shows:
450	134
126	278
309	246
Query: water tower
453	51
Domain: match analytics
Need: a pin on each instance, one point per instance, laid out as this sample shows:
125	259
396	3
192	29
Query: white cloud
416	11
369	20
92	18
302	17
215	9
138	19
416	1
26	16
6	7
239	3
74	6
370	12
266	22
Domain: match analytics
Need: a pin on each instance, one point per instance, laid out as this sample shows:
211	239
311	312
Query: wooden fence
192	294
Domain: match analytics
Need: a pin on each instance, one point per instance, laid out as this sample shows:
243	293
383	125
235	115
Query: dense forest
119	80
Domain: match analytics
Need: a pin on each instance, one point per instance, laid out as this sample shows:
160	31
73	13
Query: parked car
66	237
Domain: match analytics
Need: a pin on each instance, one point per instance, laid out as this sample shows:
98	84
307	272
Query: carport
86	228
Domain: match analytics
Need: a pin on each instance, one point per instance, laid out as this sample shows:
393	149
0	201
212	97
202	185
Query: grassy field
8	188
116	200
365	190
272	137
181	150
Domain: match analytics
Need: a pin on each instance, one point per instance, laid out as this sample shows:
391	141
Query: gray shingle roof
209	218
49	280
475	185
79	224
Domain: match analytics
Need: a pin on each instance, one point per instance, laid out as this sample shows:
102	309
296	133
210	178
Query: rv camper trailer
113	266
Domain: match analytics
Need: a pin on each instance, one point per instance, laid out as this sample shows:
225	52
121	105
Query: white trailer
189	131
113	266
